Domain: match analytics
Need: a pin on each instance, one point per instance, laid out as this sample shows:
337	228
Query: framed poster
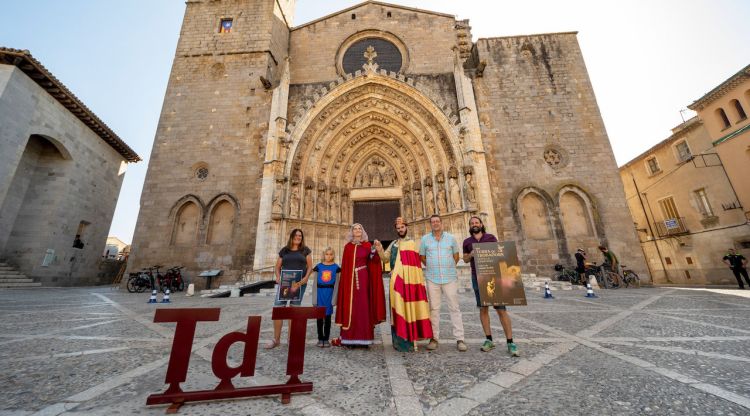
499	274
287	290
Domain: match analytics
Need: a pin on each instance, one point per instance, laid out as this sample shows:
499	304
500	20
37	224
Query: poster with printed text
499	274
289	288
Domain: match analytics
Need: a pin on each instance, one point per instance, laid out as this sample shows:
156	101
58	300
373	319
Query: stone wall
210	142
55	173
543	133
429	38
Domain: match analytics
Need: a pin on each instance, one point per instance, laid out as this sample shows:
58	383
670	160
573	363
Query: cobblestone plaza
96	351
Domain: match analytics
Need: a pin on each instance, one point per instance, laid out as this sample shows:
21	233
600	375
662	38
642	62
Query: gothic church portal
377	108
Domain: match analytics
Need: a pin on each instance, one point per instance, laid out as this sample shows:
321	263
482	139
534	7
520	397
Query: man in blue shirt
439	252
479	234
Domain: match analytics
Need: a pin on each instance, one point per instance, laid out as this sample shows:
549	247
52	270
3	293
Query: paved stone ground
96	351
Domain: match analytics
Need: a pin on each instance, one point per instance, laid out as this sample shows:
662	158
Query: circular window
555	156
388	56
201	174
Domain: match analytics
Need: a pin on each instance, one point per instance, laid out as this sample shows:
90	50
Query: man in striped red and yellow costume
410	312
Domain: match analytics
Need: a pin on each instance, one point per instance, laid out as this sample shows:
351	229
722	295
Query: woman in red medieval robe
360	302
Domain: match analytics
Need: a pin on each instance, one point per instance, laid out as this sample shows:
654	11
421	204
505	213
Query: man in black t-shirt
738	264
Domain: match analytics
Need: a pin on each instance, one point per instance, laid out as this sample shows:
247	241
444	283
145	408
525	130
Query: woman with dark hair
294	256
360	301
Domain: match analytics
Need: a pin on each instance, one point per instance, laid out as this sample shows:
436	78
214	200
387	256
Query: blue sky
647	59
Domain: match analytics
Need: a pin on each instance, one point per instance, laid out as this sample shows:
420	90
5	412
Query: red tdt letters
187	320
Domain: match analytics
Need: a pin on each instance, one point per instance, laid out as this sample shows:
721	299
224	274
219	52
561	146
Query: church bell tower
199	203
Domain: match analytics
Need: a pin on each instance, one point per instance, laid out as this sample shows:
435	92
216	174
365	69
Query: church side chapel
370	113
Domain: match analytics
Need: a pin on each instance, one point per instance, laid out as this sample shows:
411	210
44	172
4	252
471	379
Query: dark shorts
475	286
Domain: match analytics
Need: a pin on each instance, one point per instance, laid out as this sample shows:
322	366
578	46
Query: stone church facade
372	112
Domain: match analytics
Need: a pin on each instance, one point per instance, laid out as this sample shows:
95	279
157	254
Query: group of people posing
422	273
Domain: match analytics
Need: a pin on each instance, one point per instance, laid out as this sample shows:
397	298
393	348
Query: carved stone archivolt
373	132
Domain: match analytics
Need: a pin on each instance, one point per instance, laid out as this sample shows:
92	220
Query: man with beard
479	235
410	312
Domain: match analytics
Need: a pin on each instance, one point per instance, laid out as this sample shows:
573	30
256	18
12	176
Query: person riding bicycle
610	260
581	264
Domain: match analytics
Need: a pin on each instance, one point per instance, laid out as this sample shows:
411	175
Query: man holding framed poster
478	236
498	274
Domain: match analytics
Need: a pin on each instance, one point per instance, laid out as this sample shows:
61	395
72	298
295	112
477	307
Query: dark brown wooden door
377	218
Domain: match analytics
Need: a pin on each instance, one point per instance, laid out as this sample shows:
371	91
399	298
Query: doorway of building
377	218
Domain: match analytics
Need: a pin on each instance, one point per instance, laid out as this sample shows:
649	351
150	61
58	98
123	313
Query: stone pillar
267	240
473	146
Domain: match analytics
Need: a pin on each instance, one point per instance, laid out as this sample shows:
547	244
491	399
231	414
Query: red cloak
346	286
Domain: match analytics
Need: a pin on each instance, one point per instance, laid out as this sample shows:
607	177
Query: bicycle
605	278
568	275
173	279
629	277
140	281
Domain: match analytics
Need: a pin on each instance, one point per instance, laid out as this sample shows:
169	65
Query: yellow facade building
689	194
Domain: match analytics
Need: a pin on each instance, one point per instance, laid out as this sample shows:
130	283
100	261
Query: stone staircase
12	278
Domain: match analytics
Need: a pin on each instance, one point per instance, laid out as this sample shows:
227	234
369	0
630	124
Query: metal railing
671	226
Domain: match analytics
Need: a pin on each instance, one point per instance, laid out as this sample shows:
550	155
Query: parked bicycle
630	278
140	281
605	278
568	275
173	280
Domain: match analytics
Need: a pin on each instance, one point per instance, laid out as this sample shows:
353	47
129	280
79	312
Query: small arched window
722	115
740	111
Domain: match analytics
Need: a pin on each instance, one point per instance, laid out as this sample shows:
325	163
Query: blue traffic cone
547	292
152	299
165	299
589	291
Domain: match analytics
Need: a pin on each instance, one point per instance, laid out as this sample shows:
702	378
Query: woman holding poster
360	302
292	270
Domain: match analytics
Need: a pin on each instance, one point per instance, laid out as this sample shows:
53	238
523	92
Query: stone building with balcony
685	208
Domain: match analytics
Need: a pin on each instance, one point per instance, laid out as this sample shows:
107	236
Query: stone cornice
377	3
721	89
23	60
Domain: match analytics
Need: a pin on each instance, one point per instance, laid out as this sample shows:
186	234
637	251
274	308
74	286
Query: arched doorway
32	197
372	139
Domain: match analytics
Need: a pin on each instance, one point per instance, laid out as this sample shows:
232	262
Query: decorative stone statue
376	180
455	195
359	180
322	206
333	208
471	195
408	213
418	206
294	202
430	200
309	202
389	179
373	175
277	200
345	208
442	204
